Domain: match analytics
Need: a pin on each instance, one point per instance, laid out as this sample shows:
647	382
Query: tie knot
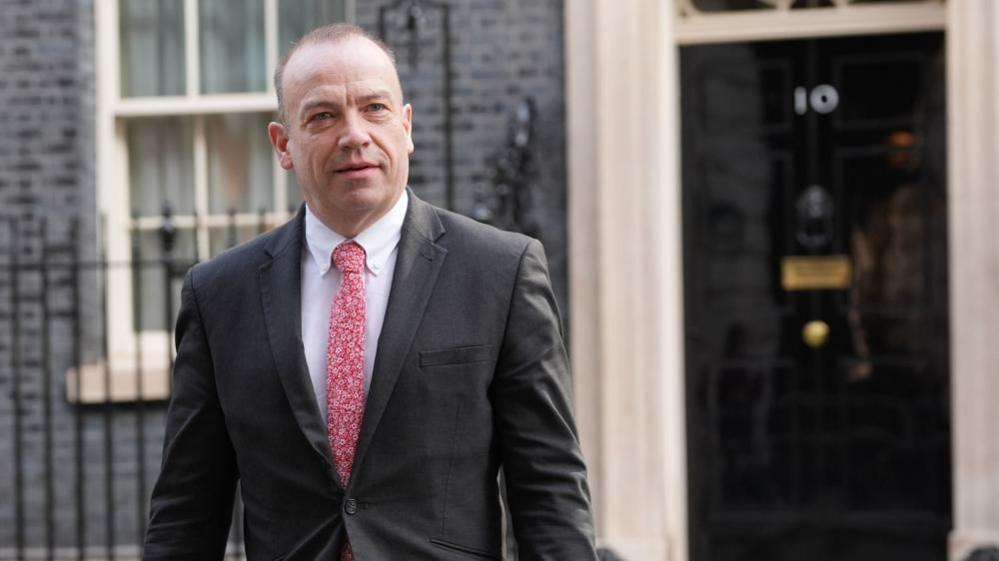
348	257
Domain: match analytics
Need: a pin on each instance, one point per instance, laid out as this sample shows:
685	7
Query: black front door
816	299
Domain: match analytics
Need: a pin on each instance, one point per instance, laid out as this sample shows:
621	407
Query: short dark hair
332	33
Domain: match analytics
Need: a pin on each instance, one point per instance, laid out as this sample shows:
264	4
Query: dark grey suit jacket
470	375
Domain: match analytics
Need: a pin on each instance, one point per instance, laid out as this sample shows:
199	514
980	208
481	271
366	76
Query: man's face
346	133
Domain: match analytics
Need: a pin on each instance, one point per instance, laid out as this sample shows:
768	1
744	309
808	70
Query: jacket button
350	506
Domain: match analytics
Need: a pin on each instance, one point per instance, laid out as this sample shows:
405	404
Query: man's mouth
356	169
356	166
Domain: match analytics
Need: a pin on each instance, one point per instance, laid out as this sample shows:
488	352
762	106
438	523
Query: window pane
232	46
149	296
296	17
240	167
152	47
160	165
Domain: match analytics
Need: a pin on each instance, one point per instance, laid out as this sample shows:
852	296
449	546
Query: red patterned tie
345	363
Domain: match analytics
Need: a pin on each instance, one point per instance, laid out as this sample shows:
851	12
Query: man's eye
377	107
321	116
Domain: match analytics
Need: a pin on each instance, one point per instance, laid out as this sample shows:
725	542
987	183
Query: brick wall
47	188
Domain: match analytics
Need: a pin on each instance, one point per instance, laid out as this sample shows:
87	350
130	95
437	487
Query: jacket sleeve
191	505
545	475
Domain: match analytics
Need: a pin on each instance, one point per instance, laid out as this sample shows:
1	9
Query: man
366	369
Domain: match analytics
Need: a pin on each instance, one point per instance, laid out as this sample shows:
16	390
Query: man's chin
364	205
361	197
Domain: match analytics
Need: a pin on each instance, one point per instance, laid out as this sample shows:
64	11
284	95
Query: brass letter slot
816	272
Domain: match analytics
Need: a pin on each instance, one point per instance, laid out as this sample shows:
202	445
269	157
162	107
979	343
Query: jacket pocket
456	355
458	548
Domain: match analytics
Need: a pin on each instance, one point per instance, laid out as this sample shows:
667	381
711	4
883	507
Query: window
184	97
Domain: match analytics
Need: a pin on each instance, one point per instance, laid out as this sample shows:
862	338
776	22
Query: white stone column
625	271
973	111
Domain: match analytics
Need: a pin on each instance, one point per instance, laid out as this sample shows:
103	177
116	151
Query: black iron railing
77	454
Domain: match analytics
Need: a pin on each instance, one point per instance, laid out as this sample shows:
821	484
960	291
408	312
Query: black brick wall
47	170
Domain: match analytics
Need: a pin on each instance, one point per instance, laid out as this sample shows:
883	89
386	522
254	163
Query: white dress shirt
321	280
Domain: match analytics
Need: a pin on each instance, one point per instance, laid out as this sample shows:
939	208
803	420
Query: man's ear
279	140
407	123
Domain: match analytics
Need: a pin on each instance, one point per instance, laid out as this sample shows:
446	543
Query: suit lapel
417	265
281	293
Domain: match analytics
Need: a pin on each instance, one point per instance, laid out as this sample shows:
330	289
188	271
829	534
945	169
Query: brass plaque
816	272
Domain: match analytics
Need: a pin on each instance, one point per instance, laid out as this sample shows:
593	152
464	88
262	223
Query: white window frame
113	204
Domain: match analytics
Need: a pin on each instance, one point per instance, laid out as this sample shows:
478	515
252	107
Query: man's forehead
349	60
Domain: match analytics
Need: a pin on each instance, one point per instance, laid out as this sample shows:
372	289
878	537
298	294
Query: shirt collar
378	240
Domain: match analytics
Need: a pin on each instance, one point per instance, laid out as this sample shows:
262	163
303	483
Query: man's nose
355	133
